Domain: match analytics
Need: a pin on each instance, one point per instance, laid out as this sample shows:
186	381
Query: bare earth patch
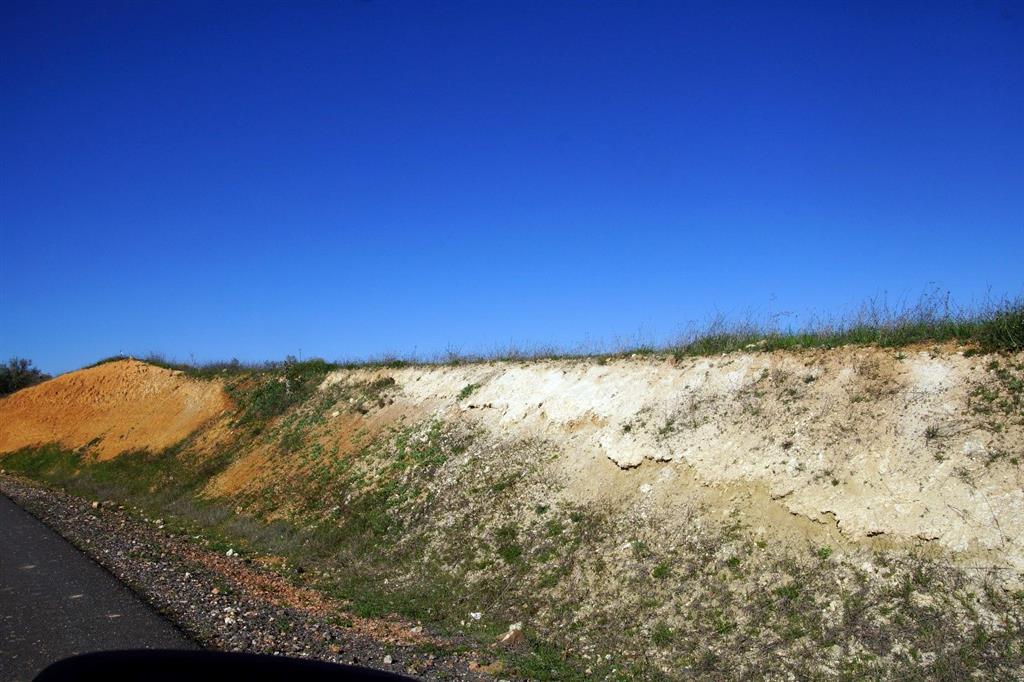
116	407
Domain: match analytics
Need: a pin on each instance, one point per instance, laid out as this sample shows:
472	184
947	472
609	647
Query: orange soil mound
128	404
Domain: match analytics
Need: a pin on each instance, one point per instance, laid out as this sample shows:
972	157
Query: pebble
267	627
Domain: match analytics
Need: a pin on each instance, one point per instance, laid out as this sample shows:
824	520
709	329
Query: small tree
19	373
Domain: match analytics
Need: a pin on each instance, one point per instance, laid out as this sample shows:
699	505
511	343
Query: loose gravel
230	603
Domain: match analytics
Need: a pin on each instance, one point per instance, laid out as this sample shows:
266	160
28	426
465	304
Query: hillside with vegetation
846	503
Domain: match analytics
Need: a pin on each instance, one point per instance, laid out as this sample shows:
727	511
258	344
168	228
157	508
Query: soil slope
808	514
126	405
867	441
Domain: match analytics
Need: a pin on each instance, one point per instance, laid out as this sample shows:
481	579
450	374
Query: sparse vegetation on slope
932	319
353	489
379	534
771	514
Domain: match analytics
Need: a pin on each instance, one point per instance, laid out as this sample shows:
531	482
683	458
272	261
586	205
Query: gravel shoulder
55	602
230	602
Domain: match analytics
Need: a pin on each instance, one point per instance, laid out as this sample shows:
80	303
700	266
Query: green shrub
17	374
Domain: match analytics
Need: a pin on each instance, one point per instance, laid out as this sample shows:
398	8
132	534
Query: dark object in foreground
166	665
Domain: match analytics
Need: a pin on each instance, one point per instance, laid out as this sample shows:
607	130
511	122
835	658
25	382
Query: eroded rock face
873	441
116	407
913	445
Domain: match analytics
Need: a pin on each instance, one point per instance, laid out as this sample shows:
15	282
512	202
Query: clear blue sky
352	178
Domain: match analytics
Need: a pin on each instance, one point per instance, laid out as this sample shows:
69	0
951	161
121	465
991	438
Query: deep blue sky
353	178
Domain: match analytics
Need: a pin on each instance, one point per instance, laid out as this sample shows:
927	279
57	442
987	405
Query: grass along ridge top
989	327
842	512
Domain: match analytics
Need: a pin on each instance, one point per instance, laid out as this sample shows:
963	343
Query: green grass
546	662
268	393
154	481
48	463
508	546
1003	396
379	534
661	571
933	318
662	634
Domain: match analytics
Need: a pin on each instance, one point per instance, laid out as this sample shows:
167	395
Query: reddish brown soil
127	405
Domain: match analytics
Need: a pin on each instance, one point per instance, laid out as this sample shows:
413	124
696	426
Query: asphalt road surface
55	602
